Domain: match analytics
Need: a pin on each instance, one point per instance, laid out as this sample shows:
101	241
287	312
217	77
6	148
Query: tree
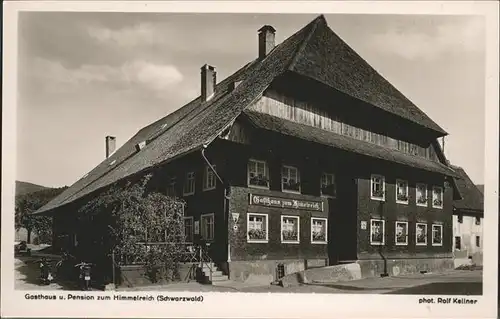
26	204
144	227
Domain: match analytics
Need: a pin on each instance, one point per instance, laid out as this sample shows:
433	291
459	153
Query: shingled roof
315	51
472	198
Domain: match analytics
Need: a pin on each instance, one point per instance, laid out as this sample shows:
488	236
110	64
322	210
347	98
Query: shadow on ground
443	288
30	275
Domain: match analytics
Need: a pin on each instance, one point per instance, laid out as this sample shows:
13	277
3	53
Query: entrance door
342	243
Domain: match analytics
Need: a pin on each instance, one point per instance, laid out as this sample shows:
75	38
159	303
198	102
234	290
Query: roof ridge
313	25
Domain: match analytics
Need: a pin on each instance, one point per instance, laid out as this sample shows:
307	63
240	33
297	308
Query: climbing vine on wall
146	227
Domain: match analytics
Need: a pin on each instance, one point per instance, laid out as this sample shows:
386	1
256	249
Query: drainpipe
381	207
226	197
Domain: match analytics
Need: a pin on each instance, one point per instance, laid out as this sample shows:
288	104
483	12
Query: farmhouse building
468	220
304	157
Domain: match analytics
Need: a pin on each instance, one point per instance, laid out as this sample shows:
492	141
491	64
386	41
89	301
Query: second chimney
110	145
266	40
208	81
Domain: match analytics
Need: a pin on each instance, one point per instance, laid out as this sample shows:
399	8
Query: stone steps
217	275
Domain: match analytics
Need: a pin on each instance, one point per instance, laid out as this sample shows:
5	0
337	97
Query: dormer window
290	179
401	191
378	187
328	188
258	175
437	197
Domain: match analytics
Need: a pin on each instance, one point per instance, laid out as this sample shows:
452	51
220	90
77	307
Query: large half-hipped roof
315	51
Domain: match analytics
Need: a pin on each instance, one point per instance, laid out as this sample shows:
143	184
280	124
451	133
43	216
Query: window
328	185
258	174
188	229
171	187
257	225
437	197
378	187
189	184
421	234
377	232
458	242
401	233
290	229
401	191
478	220
290	179
460	218
207	227
209	179
318	230
478	241
421	190
437	235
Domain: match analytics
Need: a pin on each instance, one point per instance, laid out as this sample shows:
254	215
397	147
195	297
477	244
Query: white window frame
258	241
172	186
426	234
395	233
192	229
202	228
289	167
382	178
325	220
442	197
321	185
298	229
398	181
441	229
209	173
426	194
371	232
266	172
186	180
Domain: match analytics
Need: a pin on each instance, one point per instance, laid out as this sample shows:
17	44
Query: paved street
457	282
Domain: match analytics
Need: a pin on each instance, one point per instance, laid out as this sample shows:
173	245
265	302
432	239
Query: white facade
467	235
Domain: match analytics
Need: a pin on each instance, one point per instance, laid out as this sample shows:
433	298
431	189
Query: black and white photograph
190	152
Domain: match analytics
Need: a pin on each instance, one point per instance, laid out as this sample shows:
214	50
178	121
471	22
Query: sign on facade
364	225
285	203
197	227
236	216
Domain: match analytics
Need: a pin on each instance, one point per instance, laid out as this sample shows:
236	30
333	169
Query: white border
326	231
426	234
298	229
407	232
442	197
376	306
432	235
383	232
426	194
258	241
383	187
204	216
407	192
266	171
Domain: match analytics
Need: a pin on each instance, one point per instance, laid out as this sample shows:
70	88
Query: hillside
23	188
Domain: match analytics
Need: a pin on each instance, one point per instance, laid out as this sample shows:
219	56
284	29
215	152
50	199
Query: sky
83	76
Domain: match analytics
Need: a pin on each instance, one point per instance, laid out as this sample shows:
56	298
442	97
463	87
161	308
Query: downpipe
226	196
381	247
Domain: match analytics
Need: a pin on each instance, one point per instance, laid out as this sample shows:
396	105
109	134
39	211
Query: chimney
208	81
110	145
266	40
